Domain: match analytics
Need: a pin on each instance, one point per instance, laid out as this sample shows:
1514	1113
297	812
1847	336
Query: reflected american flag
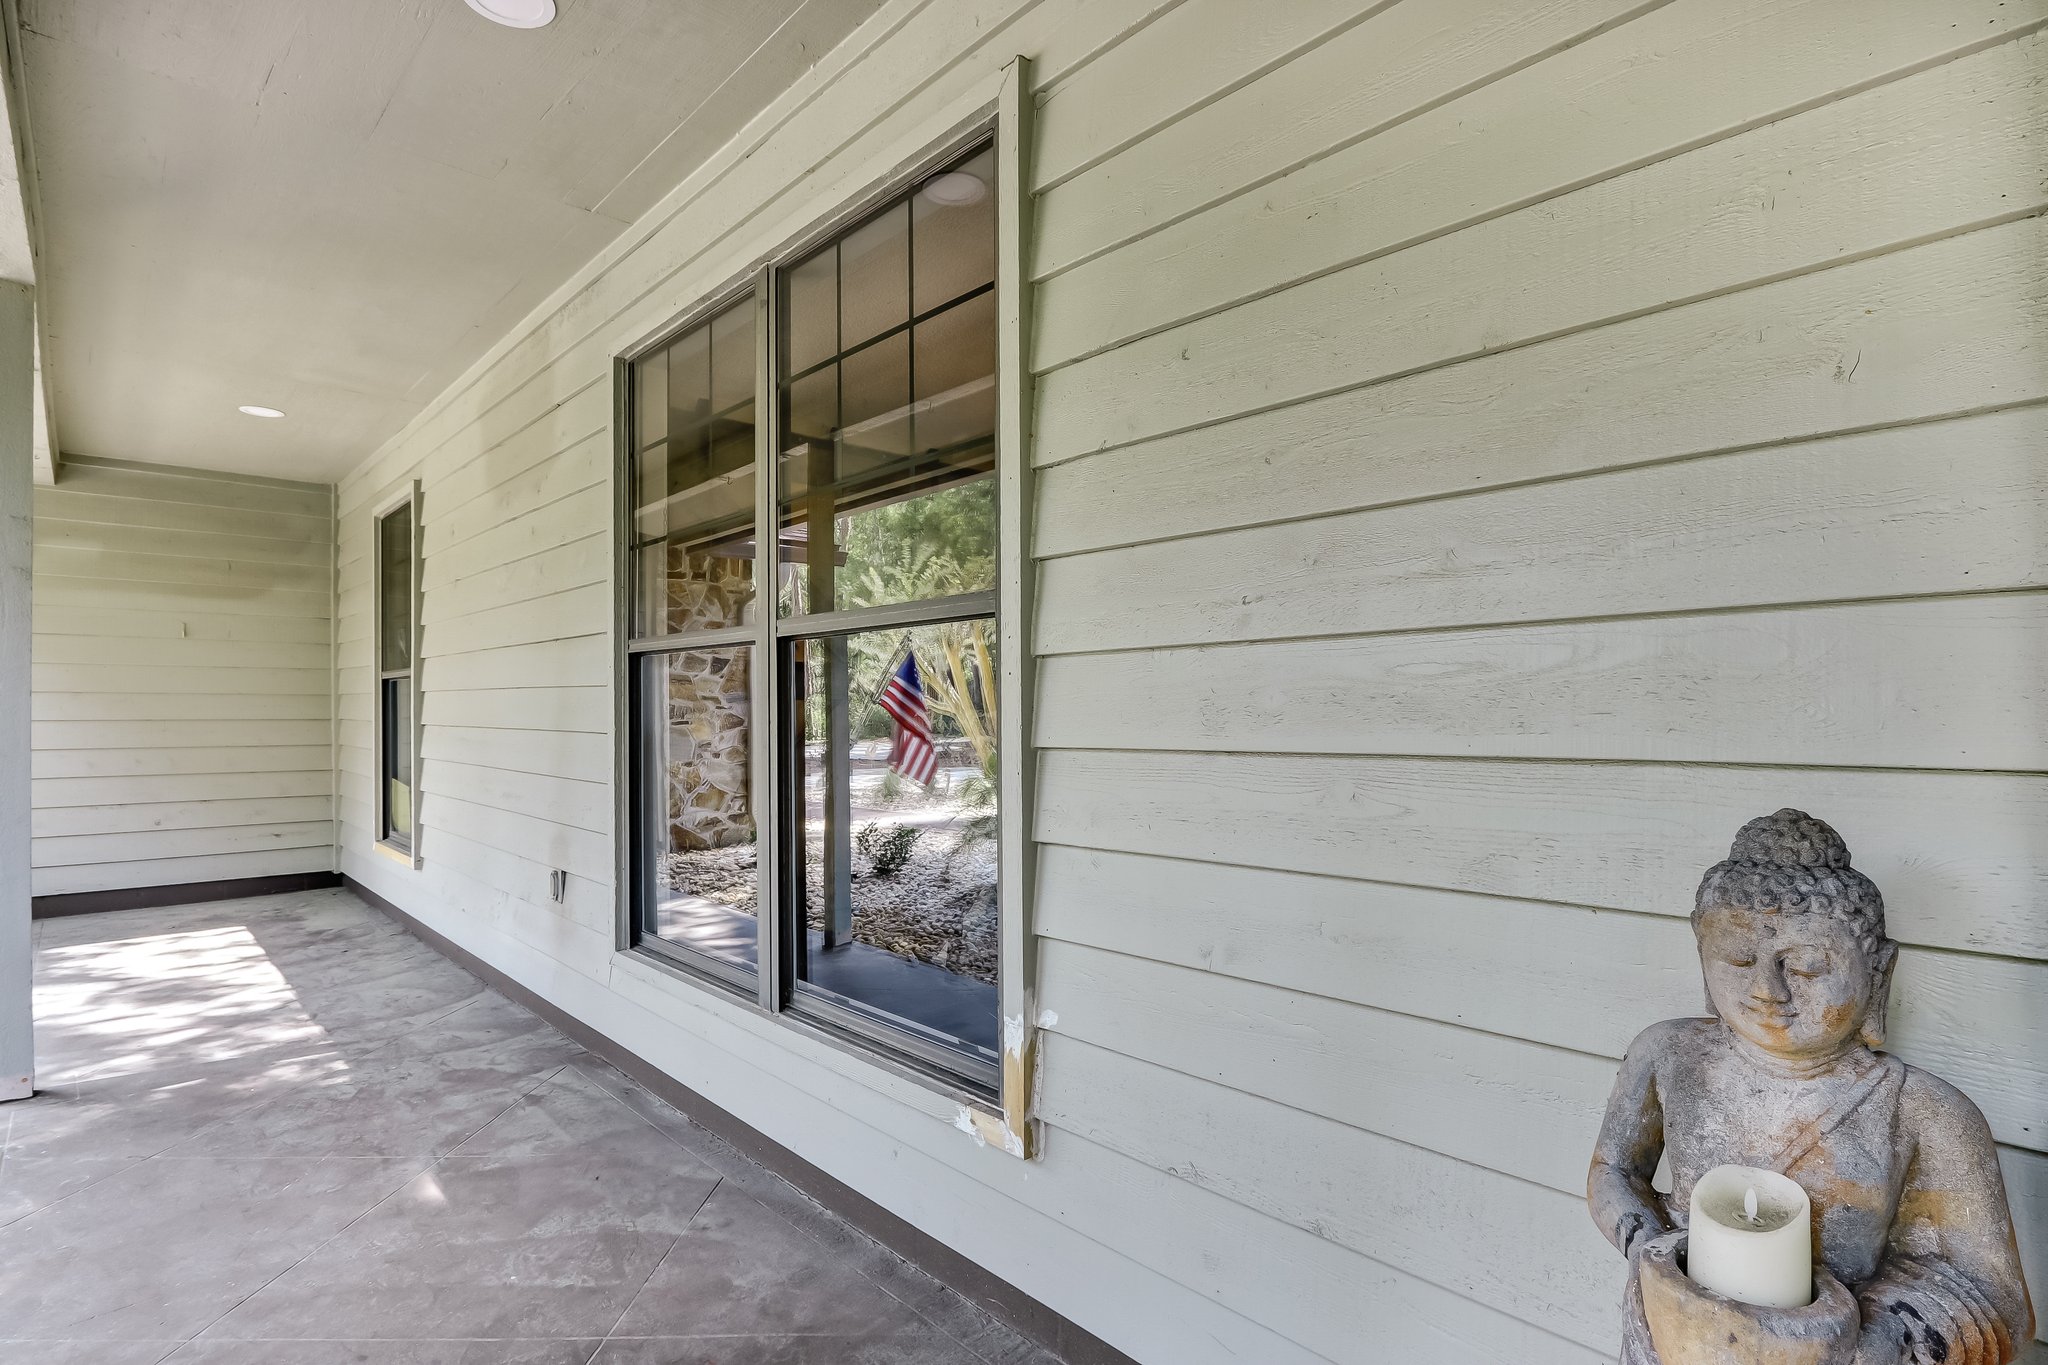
911	752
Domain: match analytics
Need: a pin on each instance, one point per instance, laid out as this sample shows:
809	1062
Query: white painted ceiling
335	206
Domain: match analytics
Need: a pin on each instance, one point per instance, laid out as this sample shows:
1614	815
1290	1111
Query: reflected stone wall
709	802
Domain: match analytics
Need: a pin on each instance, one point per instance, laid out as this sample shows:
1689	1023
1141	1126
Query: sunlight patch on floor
222	997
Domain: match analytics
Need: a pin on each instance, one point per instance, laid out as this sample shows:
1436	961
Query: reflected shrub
887	847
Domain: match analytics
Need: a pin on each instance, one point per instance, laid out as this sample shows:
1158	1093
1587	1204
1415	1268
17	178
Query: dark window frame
644	786
771	637
390	684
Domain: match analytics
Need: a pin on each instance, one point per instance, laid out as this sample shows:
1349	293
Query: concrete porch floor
284	1131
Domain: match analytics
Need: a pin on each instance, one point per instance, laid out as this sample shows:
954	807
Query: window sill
395	854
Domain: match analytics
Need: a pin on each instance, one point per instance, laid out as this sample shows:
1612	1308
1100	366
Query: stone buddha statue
1908	1205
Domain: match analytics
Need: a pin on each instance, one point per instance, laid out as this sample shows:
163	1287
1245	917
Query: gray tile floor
283	1132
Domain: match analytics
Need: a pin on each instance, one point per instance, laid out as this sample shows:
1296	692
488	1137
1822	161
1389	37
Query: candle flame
1749	1204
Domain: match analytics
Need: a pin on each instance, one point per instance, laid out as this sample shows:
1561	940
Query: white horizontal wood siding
1486	451
183	681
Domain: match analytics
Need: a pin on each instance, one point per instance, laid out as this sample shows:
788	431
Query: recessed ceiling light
255	410
516	13
955	189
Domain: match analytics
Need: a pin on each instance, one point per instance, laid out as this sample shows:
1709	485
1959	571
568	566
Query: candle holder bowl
1689	1324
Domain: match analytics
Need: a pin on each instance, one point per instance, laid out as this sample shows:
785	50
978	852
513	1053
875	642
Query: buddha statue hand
1882	1342
1925	1312
1670	1319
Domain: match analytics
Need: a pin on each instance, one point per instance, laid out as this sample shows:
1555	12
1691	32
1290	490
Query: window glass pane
394	611
953	224
874	409
650	400
693	487
733	363
874	276
697	821
956	381
812	414
810	292
397	709
689	385
889	449
894	744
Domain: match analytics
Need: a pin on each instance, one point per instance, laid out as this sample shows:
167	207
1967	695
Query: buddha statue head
1792	942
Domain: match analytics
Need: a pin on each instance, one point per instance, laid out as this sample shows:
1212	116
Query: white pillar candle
1751	1249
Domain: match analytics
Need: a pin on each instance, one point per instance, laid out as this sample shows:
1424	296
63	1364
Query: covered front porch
283	1128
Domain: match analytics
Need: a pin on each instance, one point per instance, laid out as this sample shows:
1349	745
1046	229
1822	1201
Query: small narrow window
396	786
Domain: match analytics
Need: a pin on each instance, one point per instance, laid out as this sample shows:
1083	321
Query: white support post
838	797
17	382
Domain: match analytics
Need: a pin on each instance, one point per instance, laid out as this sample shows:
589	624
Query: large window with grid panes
810	507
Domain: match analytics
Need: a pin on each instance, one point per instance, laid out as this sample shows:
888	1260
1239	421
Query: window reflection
698	738
398	760
394	583
693	481
874	276
895	746
888	402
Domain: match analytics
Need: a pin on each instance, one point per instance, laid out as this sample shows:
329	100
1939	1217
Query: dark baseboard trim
184	893
998	1296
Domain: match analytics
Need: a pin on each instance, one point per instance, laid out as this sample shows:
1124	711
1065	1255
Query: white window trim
1017	857
1006	1123
408	497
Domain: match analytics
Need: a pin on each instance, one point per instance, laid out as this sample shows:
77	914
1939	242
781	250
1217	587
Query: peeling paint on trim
1012	1130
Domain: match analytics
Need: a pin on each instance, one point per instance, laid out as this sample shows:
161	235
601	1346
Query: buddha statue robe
1908	1203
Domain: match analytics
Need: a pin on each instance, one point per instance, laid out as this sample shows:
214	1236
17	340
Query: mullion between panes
691	639
831	550
909	325
771	953
929	611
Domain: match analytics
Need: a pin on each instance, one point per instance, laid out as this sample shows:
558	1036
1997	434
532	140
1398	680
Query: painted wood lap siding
183	710
1484	515
1487	450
